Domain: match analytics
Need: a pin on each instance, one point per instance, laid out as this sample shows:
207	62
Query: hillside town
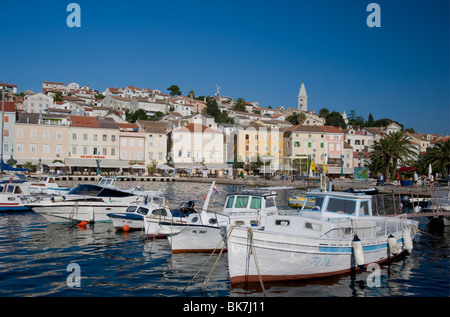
73	129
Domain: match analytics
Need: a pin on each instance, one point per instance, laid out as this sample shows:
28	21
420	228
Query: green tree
174	90
240	105
57	96
393	148
439	157
296	118
323	113
335	119
370	121
139	114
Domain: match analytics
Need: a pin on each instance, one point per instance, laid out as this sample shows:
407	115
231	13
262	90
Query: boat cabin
336	205
250	201
150	210
12	188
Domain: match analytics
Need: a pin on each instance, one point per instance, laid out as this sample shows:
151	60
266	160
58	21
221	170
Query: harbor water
37	259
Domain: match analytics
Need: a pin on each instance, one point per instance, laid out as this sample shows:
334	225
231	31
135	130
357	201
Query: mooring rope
207	260
253	250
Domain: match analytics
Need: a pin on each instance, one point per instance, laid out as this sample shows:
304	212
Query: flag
313	167
215	188
324	167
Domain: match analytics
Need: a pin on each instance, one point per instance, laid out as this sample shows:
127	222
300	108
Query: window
364	208
46	134
95	137
343	206
124	142
123	155
321	145
270	202
180	153
331	147
59	135
113	151
105	137
230	202
85	136
33	148
256	203
74	136
104	151
113	138
132	143
46	149
296	144
241	202
309	144
313	203
58	150
19	147
150	155
19	133
33	134
74	150
85	150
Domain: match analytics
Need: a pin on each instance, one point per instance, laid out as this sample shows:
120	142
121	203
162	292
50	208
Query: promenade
337	184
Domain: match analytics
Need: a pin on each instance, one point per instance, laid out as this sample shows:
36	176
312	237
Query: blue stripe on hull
366	248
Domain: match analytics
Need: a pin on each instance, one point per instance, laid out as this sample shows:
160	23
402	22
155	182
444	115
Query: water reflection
34	255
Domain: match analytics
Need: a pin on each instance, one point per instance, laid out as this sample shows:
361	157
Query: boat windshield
131	209
343	206
313	203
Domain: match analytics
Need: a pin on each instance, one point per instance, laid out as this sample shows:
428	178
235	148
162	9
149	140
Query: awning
217	166
188	165
104	163
164	167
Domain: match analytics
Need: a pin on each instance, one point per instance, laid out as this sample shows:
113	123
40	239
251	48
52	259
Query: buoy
82	223
407	240
126	228
392	243
358	252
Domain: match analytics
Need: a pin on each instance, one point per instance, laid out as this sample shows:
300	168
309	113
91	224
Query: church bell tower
302	99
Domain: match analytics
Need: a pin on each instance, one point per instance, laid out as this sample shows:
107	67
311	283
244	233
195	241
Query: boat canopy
97	191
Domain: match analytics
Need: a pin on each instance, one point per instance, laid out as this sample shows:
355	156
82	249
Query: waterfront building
131	143
195	144
92	142
40	138
359	139
319	144
117	103
256	140
155	140
8	122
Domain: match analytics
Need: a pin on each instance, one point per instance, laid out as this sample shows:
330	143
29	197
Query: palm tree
297	118
395	147
439	157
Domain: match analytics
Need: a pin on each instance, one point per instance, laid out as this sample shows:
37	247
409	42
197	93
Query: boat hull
286	257
78	212
196	239
127	221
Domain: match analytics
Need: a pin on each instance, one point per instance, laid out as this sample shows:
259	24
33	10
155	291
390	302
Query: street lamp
342	165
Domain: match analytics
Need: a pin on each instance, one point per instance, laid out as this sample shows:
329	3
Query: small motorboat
363	191
14	197
133	217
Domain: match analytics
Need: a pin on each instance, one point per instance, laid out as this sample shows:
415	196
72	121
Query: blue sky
258	50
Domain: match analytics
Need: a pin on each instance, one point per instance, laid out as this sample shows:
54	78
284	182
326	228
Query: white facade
196	143
37	103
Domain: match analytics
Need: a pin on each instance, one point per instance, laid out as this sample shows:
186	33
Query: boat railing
366	228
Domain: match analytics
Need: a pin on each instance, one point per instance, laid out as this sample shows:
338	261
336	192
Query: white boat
171	218
334	235
88	203
14	197
48	185
133	217
203	232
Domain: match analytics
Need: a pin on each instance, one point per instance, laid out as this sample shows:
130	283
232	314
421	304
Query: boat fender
392	243
126	228
407	240
358	252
